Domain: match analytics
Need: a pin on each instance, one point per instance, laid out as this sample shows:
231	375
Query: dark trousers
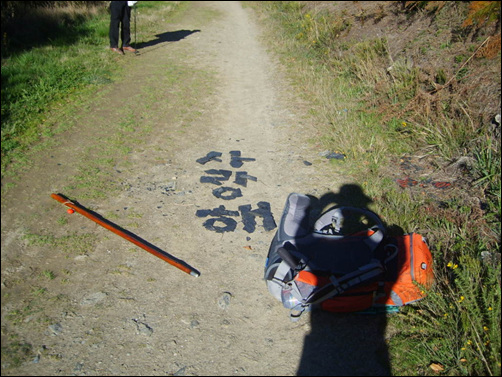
120	19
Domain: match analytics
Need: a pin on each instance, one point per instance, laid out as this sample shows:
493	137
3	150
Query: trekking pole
127	235
135	47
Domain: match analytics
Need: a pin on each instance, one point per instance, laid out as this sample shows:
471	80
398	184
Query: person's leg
115	18
126	27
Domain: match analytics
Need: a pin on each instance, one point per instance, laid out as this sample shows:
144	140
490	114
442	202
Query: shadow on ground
168	36
345	345
339	344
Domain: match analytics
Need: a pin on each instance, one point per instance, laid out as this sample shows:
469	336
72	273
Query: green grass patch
41	87
36	81
15	353
48	274
79	244
64	61
457	328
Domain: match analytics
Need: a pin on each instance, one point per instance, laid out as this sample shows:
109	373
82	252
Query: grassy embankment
55	59
376	108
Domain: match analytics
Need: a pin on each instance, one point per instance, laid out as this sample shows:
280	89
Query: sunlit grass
371	107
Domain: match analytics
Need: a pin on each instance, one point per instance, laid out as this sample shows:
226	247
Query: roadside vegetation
380	106
47	65
54	58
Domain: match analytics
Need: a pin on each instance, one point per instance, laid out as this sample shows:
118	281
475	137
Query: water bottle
288	300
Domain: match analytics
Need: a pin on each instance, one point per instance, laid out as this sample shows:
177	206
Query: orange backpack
406	275
344	272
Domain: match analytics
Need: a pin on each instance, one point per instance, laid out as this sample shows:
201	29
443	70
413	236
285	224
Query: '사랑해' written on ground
220	219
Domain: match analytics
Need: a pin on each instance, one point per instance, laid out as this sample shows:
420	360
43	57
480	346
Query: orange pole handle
124	234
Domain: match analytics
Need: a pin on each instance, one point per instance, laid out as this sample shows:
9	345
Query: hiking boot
117	50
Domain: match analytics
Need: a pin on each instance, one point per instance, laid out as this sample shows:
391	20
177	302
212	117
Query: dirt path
112	308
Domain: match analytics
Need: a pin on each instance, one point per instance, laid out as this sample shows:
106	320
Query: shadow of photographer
345	344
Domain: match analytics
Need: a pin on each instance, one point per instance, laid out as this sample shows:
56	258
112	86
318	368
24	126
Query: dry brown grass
491	49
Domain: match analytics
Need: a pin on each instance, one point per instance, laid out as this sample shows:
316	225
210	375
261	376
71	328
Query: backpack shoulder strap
337	286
